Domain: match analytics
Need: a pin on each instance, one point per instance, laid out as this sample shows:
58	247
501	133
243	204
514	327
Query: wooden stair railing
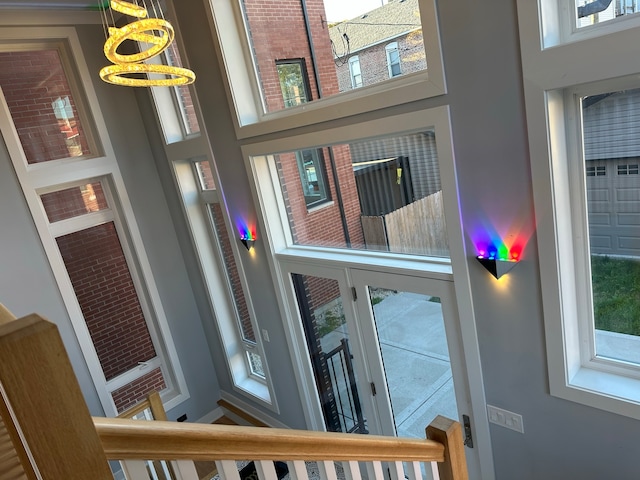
49	422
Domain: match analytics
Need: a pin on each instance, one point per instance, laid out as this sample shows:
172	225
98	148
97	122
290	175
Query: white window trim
550	79
241	82
35	178
561	28
279	246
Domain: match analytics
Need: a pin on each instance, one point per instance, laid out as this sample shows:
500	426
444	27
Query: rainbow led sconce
498	261
248	239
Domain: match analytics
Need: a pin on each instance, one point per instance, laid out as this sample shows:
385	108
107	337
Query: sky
345	9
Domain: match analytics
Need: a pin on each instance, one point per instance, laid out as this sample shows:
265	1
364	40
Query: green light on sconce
247	241
498	261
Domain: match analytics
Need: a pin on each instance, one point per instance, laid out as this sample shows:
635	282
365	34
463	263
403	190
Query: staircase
40	395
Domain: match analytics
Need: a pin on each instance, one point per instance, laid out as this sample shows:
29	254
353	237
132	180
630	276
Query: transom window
379	186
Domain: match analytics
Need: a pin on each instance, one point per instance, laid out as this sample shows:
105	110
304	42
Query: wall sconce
498	262
247	240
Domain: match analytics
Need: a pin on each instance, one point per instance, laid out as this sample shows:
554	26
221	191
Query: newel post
449	433
40	398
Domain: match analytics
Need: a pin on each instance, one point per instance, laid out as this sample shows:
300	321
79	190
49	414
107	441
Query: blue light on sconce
498	261
247	241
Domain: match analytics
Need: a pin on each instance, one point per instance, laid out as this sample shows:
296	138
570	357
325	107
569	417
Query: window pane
378	187
75	201
327	336
294	82
108	299
325	36
182	95
312	176
136	391
591	12
205	175
233	277
42	106
611	141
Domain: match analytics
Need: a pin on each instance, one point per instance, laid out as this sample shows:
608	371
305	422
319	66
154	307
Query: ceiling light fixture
153	33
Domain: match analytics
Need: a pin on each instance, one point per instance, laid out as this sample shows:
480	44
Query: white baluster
298	470
327	470
228	470
396	470
184	470
352	470
266	470
374	469
135	469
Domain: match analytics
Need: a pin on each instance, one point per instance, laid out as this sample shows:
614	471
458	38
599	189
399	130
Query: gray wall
562	440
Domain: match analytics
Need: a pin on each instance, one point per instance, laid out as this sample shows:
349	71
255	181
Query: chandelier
153	34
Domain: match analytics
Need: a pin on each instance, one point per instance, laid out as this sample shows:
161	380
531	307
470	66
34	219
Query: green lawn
616	294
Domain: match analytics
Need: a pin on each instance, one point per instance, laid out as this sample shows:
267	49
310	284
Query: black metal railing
343	380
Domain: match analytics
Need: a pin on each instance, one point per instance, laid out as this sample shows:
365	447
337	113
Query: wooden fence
417	228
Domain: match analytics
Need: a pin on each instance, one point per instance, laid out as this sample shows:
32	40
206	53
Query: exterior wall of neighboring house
373	60
613	181
278	32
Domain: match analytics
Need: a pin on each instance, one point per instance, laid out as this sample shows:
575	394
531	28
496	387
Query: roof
392	20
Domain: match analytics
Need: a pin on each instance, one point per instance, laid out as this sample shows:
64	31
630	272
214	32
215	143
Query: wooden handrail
124	439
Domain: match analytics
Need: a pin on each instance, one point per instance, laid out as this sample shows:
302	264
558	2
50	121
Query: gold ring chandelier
154	34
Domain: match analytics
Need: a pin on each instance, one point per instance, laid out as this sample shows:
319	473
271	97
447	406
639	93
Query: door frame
367	357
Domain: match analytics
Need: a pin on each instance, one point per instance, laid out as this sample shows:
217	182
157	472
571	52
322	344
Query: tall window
294	83
581	135
86	224
393	59
222	274
354	70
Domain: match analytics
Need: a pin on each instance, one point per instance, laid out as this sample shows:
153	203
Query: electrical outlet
265	335
505	418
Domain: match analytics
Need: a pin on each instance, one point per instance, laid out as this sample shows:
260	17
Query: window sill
256	390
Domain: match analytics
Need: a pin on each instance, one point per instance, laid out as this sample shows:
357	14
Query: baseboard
245	414
212	416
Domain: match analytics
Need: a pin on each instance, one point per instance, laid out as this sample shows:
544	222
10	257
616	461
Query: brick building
378	45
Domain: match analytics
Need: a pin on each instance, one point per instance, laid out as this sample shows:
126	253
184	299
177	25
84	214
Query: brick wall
132	393
231	271
278	32
31	82
74	202
373	61
102	283
184	95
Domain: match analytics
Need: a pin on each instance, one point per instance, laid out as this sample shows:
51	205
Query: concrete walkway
416	361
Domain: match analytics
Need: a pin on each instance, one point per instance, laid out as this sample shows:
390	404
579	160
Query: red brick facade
278	32
134	392
231	271
374	65
31	83
74	202
102	283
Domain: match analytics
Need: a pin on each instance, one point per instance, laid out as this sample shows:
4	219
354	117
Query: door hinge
353	292
373	389
468	438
